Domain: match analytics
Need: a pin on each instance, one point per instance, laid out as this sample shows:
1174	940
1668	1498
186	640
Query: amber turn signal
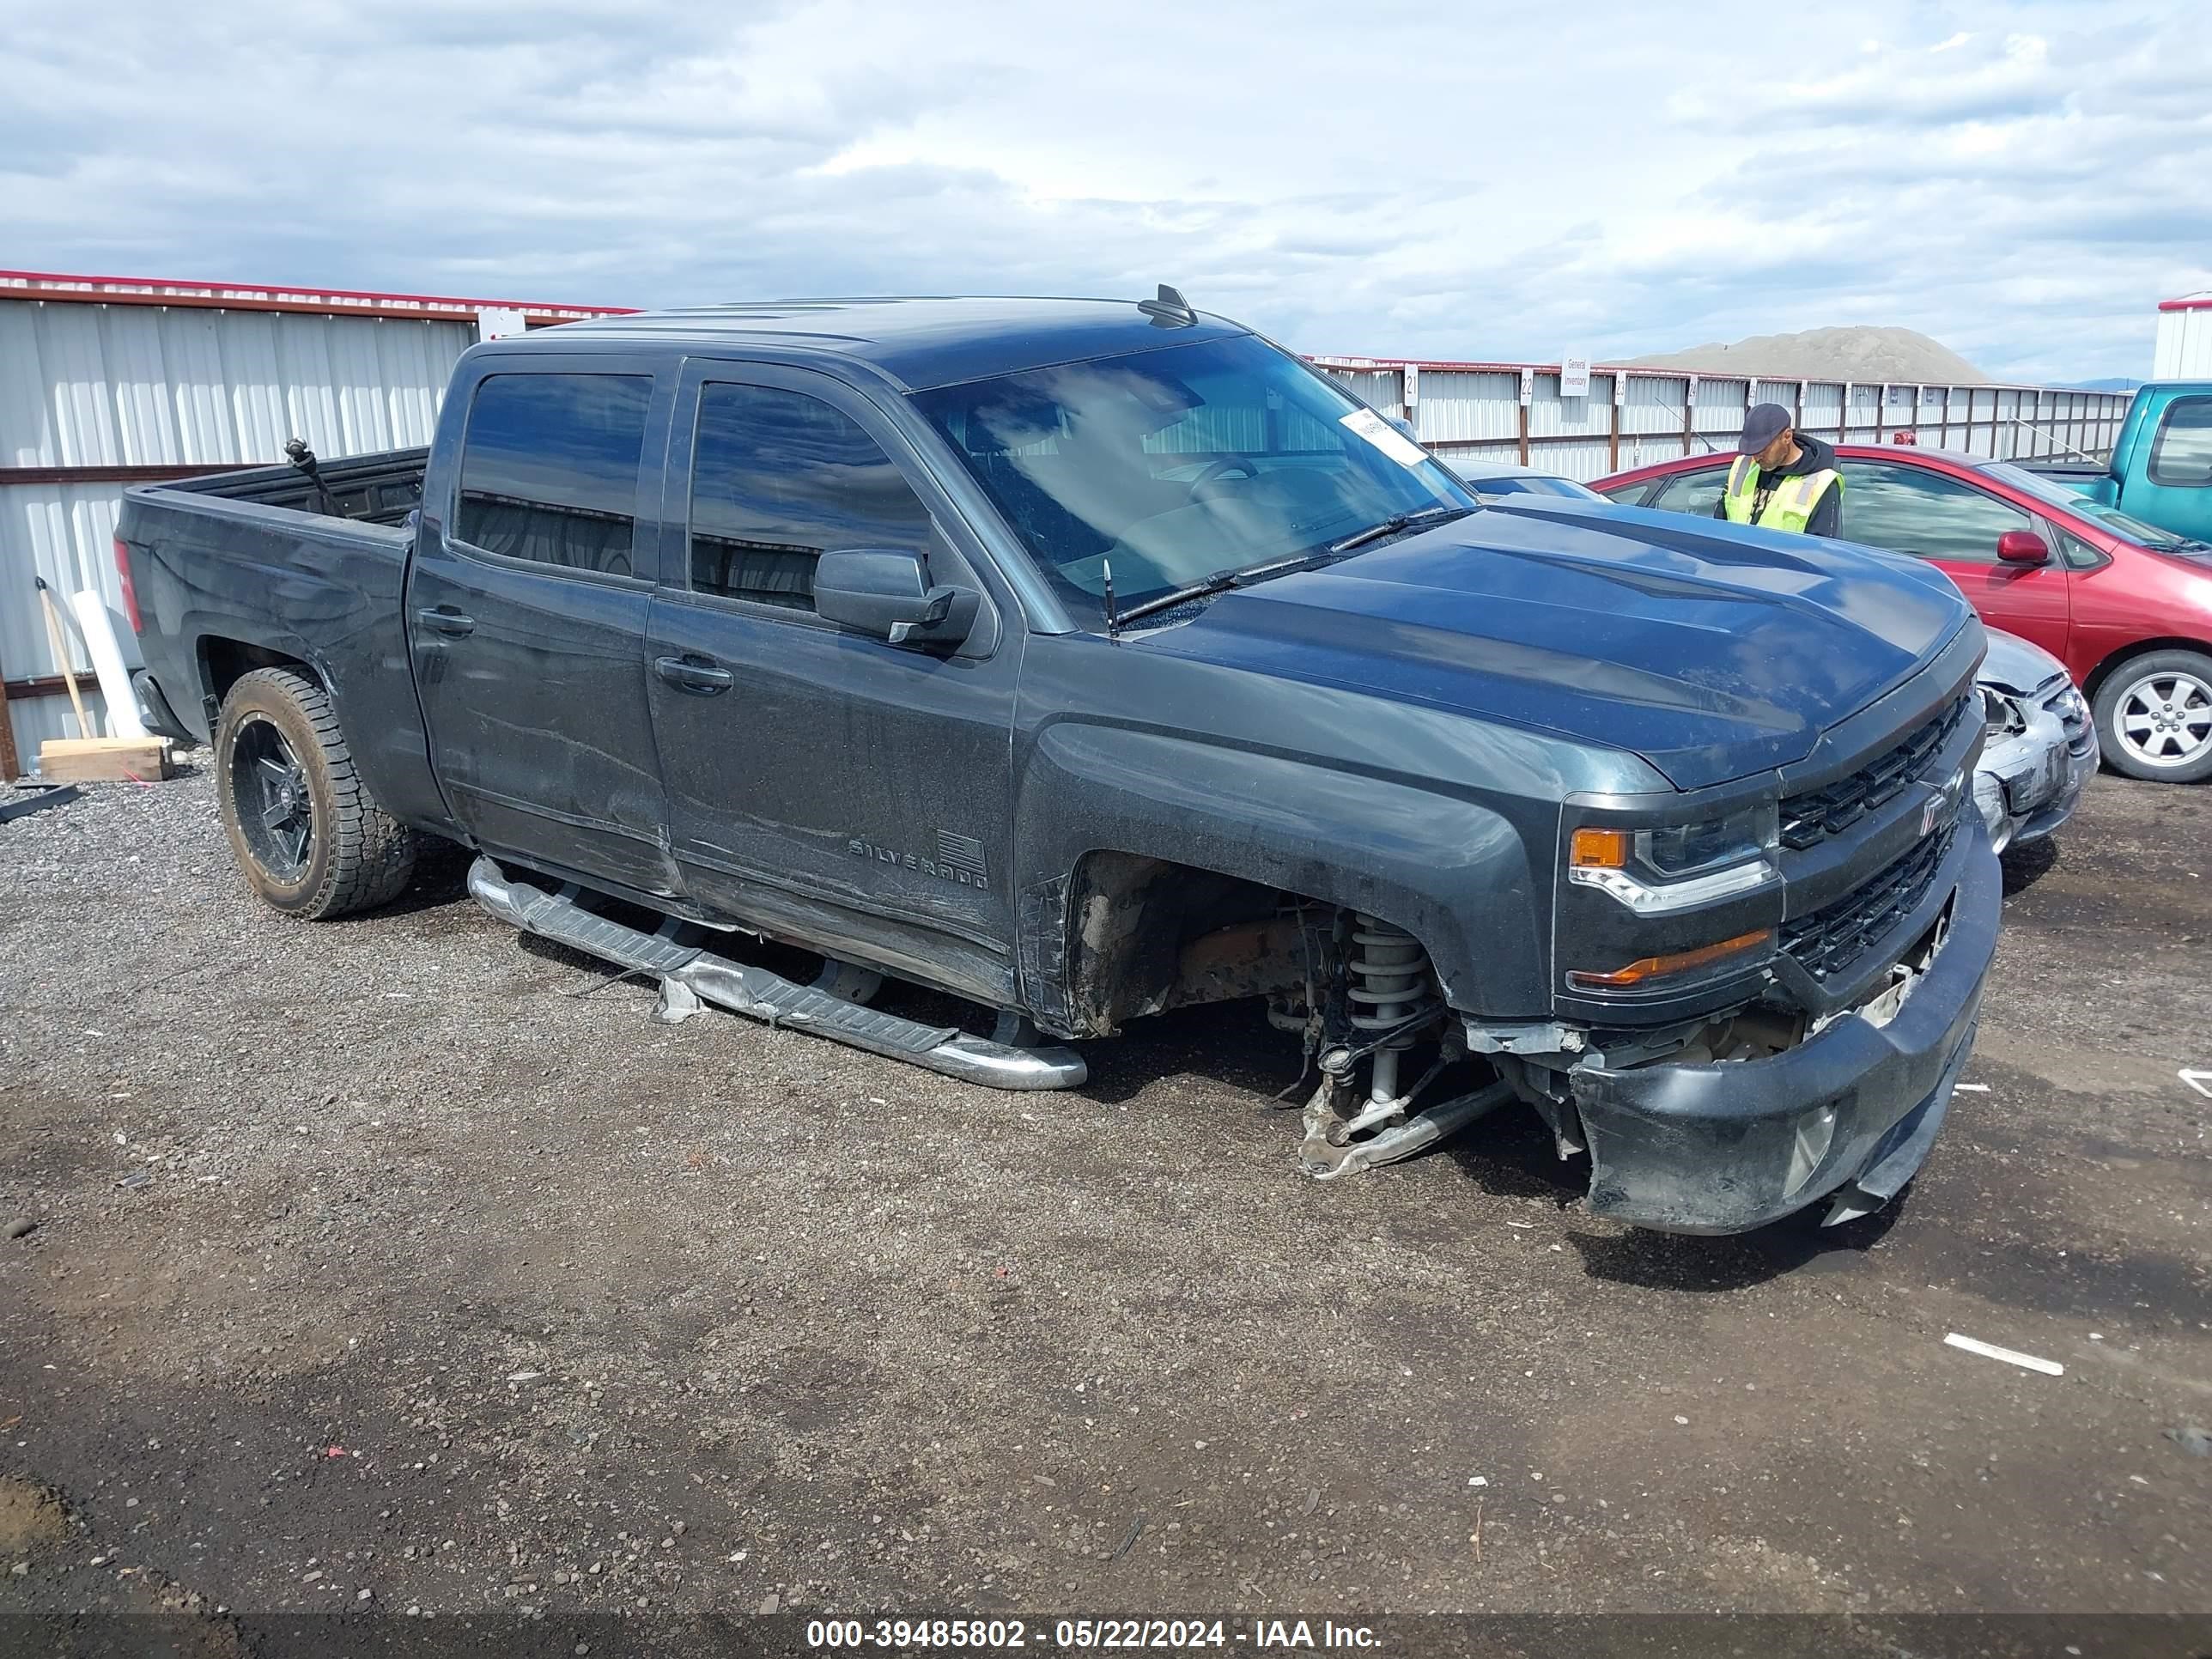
1598	849
1674	961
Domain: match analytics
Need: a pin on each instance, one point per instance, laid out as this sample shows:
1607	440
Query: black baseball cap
1762	424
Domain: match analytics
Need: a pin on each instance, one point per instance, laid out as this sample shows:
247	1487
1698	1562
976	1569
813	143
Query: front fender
1455	873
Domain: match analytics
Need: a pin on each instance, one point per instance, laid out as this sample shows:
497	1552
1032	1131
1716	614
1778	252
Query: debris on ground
2010	1356
38	801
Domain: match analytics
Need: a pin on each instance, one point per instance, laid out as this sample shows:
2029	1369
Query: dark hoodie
1813	455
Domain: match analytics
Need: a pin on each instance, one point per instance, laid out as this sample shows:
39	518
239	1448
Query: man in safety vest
1781	479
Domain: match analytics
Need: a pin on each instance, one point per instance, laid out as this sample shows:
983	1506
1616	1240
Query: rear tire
2154	716
305	829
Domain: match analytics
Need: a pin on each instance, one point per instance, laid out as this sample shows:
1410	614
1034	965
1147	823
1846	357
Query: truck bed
2076	475
379	489
258	568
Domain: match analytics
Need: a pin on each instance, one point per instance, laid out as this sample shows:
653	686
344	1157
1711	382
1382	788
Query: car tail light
129	593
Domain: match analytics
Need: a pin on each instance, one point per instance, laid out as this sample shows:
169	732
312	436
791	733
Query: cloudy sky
2023	182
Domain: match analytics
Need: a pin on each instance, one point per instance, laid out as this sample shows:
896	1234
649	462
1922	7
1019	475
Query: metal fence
1516	413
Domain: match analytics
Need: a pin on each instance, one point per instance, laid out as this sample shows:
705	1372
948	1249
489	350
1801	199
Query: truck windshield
2108	518
1175	465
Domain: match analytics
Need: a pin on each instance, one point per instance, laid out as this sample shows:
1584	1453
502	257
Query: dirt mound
1896	355
30	1514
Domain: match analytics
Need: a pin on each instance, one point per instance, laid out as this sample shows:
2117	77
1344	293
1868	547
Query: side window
1911	510
549	469
2181	454
1697	492
778	478
2077	553
1628	494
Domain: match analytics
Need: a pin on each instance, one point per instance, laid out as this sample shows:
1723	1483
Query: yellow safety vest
1791	506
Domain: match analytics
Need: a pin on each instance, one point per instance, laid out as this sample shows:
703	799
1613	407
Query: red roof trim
301	293
2188	302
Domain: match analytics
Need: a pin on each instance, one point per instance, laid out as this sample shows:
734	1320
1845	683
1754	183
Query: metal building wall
116	389
2185	339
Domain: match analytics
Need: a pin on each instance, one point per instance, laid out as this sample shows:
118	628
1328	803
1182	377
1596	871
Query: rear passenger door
1955	524
822	784
527	609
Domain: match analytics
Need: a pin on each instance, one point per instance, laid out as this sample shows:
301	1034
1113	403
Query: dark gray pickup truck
1084	659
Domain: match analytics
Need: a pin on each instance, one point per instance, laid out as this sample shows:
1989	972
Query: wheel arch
2121	656
224	659
1128	810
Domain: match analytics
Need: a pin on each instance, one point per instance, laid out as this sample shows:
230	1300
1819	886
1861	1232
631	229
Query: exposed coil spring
1390	973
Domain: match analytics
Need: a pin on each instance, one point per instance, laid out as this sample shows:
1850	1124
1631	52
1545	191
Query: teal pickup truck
2161	467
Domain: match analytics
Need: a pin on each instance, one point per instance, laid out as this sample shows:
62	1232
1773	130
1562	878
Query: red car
2126	607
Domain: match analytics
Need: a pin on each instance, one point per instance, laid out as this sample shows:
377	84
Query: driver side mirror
886	591
2023	547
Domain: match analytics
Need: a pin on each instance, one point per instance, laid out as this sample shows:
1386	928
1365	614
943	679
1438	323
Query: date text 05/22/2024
1008	1635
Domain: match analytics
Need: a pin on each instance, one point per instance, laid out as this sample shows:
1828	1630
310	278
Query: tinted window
1697	492
1908	510
2182	454
778	478
549	469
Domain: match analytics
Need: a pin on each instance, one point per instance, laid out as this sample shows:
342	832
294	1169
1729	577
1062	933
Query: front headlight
2002	714
1684	864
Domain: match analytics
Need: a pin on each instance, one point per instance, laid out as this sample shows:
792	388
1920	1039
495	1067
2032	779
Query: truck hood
1710	651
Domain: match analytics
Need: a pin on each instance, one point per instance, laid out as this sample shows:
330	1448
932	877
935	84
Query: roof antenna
1170	310
1113	610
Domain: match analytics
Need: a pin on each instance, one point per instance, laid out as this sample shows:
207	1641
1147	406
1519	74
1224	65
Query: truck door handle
690	674
446	620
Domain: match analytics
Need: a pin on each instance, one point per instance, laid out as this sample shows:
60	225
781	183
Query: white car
1489	478
2041	745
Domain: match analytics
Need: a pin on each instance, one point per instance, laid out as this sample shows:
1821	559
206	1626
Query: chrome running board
689	975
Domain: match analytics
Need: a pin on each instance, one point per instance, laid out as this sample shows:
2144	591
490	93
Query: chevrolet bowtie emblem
1943	806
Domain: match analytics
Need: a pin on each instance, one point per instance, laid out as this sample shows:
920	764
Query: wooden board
101	760
11	766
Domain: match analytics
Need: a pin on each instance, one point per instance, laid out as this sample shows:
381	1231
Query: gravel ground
402	1262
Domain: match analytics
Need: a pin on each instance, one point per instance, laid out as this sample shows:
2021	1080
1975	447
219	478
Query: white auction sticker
1385	437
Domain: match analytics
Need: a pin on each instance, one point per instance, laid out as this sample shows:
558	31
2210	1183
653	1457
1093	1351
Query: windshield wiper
1219	582
1403	521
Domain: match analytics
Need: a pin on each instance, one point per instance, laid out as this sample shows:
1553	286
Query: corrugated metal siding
138	385
90	385
2185	343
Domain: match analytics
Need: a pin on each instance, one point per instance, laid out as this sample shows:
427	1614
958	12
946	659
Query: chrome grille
1836	935
1811	817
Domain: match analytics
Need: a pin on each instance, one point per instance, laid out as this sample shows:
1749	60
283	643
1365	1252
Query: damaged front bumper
2027	784
1848	1114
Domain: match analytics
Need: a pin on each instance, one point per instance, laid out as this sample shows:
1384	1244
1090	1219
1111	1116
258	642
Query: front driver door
824	784
1955	524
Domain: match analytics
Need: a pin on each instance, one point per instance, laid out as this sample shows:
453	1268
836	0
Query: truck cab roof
918	342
